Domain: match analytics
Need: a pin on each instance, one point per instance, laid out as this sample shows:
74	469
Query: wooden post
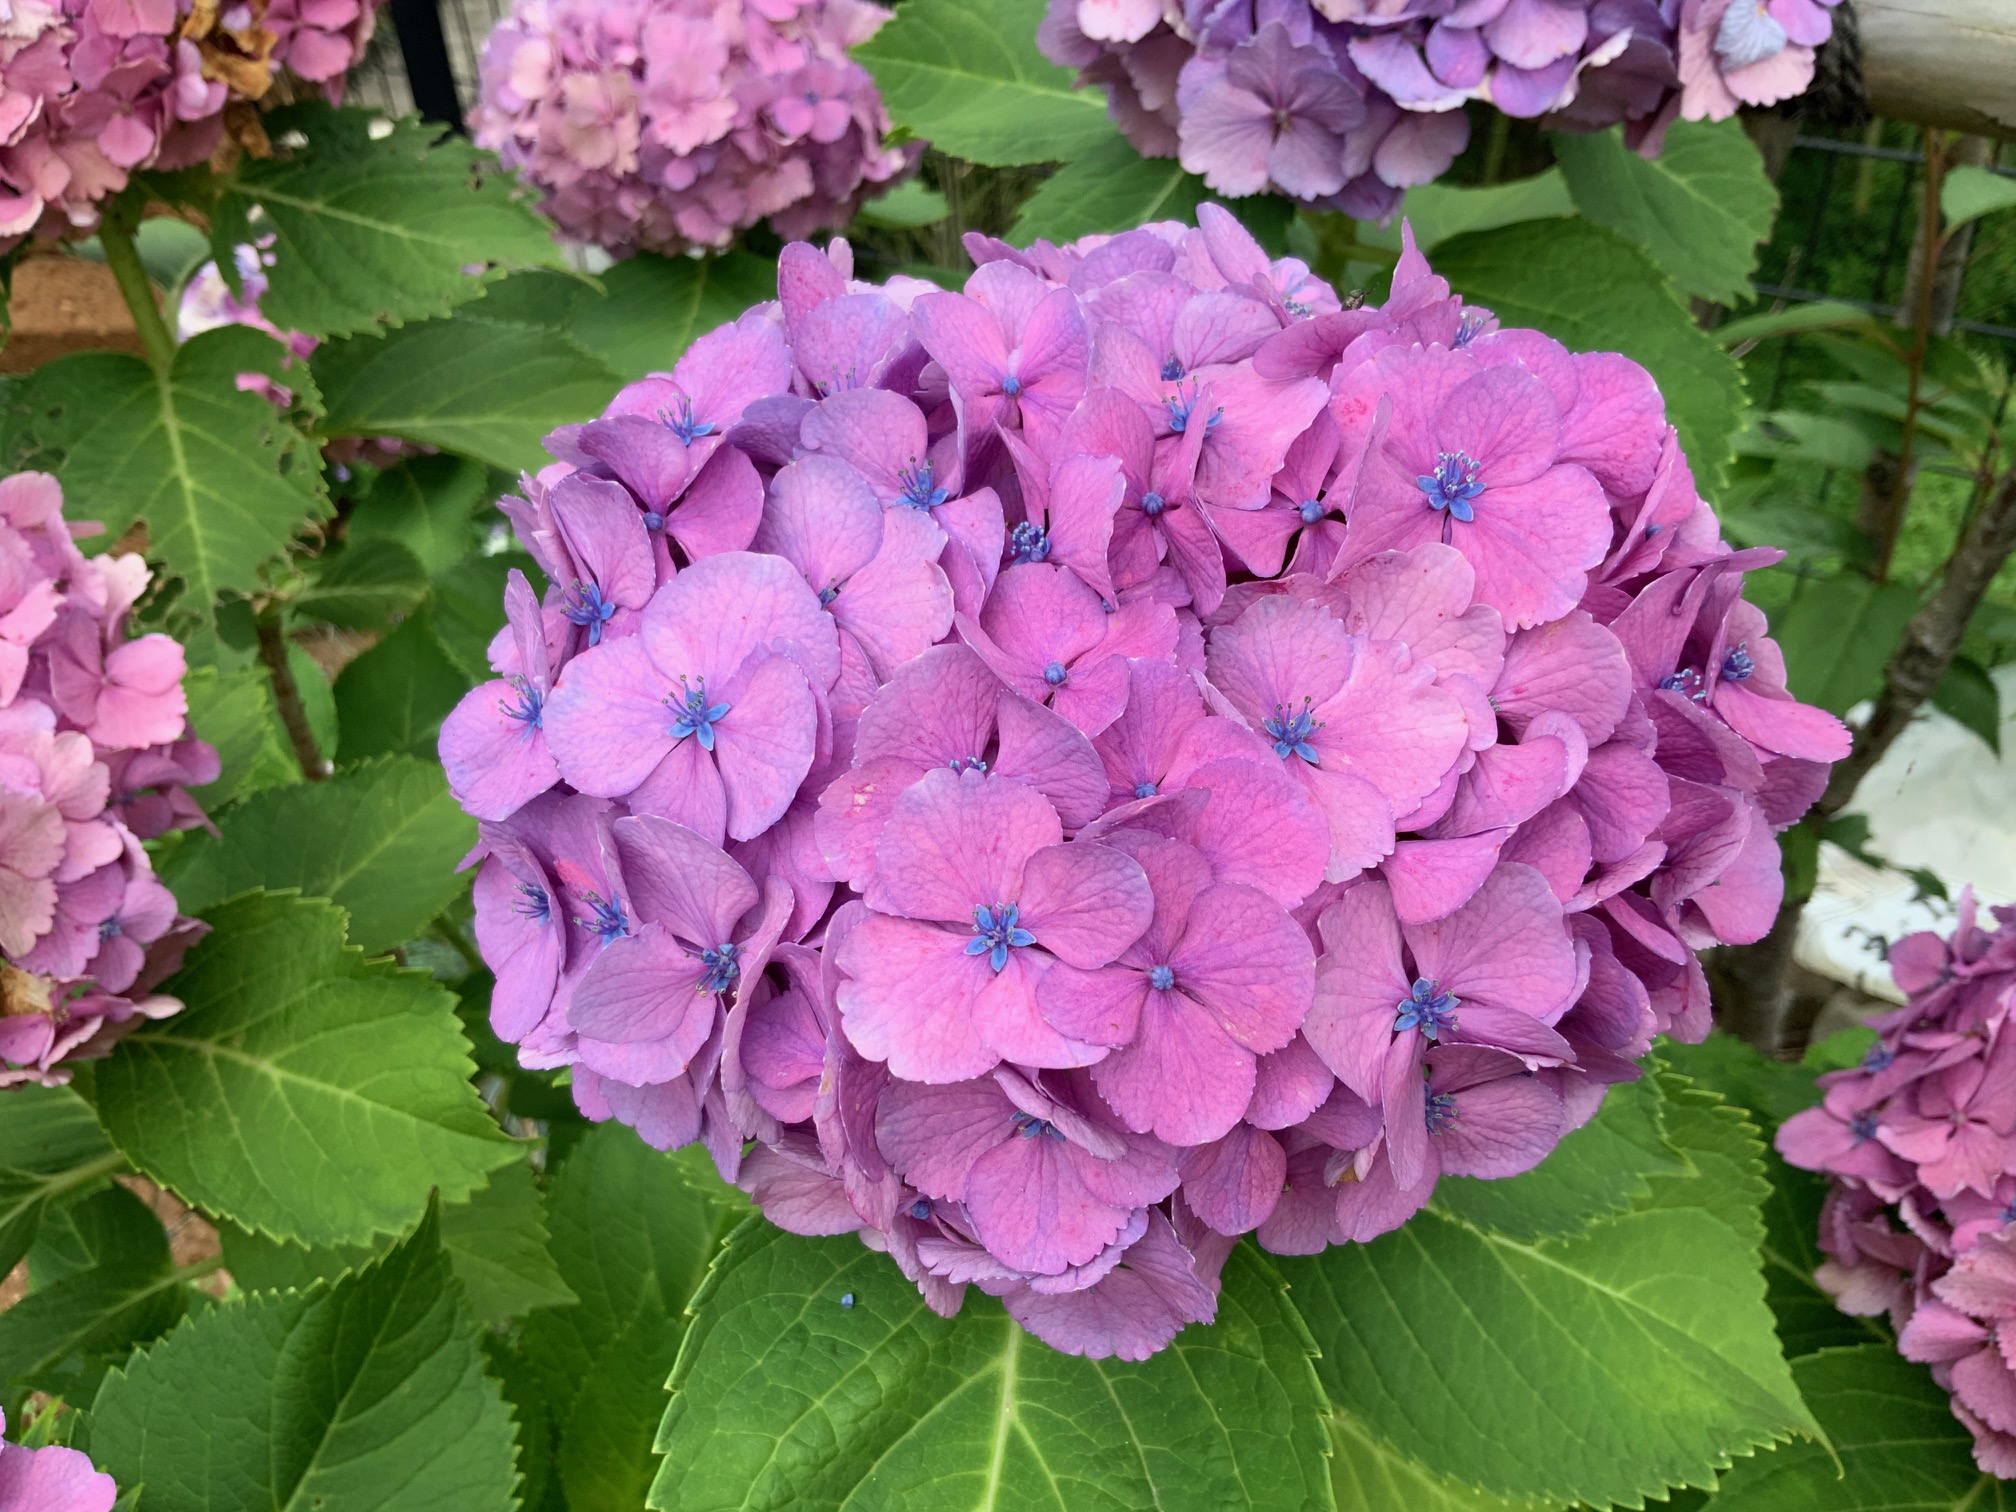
1945	63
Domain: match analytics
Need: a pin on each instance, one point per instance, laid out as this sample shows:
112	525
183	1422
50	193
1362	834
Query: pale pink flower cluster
1920	1140
92	90
95	757
659	125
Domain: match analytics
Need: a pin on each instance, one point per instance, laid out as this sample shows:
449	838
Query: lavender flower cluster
91	90
1920	1141
1053	777
95	755
667	124
1346	103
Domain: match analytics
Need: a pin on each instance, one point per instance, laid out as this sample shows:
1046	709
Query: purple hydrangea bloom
1057	776
1347	103
1920	1143
54	1479
669	124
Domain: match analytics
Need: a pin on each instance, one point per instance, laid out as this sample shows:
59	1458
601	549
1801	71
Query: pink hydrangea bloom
95	756
667	124
1047	777
54	1479
1920	1143
91	92
1347	103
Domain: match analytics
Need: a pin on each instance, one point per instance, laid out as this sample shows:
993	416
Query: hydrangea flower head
95	756
1919	1141
953	772
91	92
1347	103
670	124
52	1479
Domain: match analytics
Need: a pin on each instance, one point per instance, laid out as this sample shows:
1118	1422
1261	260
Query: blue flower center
1291	731
1162	978
1152	503
829	593
529	710
1171	369
532	903
693	715
1441	1110
1031	1126
1011	385
1181	405
1862	1126
1737	665
1028	542
587	608
1144	790
684	425
1427	1008
920	1210
723	967
1686	682
1311	511
1452	485
108	929
995	933
920	485
1468	329
653	521
1056	675
606	918
967	764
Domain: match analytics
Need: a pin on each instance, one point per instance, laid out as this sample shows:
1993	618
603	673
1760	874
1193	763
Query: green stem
123	258
287	696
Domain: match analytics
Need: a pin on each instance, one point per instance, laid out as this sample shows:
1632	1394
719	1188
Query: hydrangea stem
122	256
287	697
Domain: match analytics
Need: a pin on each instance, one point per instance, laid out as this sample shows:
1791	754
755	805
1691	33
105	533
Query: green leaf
1600	1169
653	307
787	1394
222	478
1837	635
1968	694
1371	1475
1898	1443
1794	320
365	1396
489	389
469	609
910	206
970	79
1107	187
1700	208
234	712
633	1231
63	1335
51	1144
303	1092
382	840
392	699
427	505
369	233
1608	1367
1594	291
496	1241
1438	212
365	586
1969	193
